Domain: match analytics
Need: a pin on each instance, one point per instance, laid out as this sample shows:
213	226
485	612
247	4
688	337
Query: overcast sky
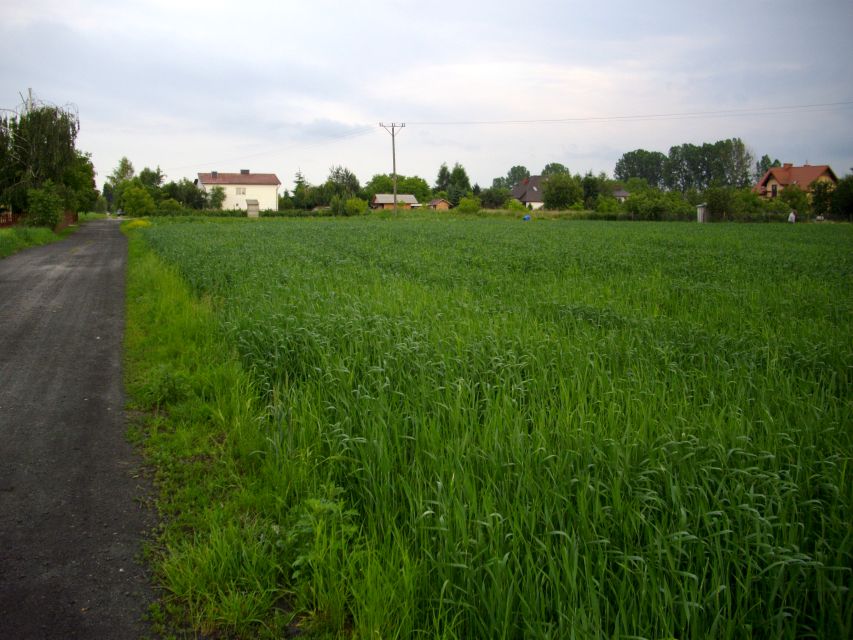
282	86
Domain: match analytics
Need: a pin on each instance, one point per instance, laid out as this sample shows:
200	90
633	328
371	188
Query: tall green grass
14	239
484	428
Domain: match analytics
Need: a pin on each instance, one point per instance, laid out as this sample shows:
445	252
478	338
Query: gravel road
71	516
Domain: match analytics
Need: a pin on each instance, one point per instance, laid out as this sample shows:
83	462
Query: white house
243	186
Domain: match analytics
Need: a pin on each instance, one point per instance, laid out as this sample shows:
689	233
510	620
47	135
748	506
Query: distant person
792	217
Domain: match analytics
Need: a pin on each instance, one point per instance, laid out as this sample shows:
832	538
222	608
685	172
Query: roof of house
388	198
435	201
788	174
244	177
621	193
529	190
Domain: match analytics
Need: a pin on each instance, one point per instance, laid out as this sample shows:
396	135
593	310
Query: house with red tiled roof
776	179
244	189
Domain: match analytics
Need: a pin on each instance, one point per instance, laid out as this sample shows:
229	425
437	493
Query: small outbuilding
386	201
439	204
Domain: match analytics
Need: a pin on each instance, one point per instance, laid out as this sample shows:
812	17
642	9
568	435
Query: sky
281	87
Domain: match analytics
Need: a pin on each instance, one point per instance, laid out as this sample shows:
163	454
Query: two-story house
242	187
776	179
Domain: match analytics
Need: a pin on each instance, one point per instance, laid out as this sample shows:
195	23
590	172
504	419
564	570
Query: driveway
72	519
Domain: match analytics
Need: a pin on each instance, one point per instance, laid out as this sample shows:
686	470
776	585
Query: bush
44	206
656	205
170	207
515	205
355	207
607	204
138	202
468	205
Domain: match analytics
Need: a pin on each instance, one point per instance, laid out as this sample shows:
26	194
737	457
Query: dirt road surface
71	518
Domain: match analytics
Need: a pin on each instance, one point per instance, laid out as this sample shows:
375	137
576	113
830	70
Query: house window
773	191
241	191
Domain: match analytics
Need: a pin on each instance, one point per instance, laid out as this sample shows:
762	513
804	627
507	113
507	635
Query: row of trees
147	193
42	172
725	163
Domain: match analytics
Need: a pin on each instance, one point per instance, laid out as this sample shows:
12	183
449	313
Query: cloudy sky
284	86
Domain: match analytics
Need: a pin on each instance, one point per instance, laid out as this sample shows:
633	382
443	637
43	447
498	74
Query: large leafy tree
561	191
842	199
648	165
554	168
342	183
442	180
516	174
38	146
459	184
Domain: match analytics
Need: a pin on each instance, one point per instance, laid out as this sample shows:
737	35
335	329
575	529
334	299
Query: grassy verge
212	559
15	239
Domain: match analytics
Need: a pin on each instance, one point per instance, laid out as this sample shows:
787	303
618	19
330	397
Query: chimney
787	165
214	174
244	172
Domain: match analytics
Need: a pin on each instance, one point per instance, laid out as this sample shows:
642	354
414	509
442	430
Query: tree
79	184
216	197
822	198
341	182
842	199
720	202
38	145
124	172
152	180
648	165
184	191
795	198
138	202
494	197
515	175
459	185
562	190
554	168
763	165
593	186
44	205
442	181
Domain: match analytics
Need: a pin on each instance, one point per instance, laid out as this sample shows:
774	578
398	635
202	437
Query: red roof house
776	179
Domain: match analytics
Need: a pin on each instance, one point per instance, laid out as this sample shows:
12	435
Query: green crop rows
478	428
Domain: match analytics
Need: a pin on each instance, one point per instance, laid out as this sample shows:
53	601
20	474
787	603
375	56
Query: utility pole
394	126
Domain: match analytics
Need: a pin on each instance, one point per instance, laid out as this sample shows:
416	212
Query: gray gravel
72	519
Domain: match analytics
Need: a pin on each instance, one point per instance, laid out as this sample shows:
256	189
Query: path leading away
71	519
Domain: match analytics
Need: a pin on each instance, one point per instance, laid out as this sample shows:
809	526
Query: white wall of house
236	195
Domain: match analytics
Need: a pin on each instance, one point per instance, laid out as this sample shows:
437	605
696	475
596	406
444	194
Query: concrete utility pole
393	133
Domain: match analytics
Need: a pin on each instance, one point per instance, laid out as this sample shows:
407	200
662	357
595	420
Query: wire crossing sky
282	87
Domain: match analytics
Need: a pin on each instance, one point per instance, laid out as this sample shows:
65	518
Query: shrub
44	206
607	204
468	205
515	205
138	202
355	207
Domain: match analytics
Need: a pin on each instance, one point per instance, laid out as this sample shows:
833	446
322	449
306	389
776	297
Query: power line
362	130
647	116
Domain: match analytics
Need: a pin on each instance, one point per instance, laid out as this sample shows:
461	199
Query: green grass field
483	428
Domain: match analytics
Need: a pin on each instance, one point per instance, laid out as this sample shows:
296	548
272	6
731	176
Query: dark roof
788	174
216	177
620	193
529	190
